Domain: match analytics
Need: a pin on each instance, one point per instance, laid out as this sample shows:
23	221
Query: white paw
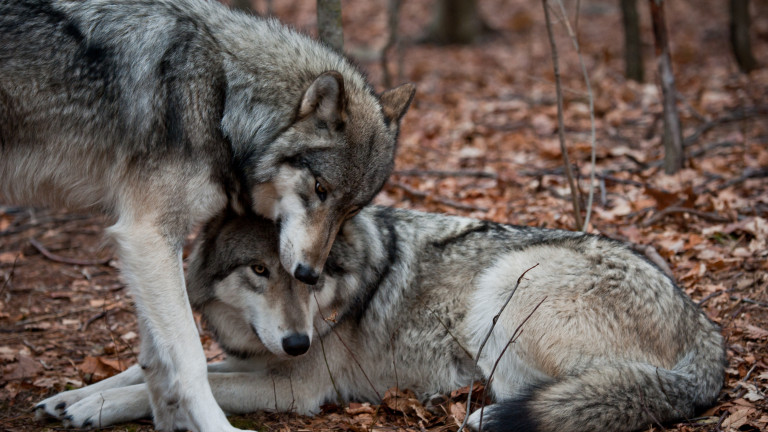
109	407
55	406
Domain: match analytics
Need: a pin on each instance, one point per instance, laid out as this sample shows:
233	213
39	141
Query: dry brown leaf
24	367
98	368
458	411
738	418
756	332
405	402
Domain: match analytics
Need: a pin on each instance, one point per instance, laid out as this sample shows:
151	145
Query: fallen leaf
458	411
405	402
98	368
738	418
756	332
24	367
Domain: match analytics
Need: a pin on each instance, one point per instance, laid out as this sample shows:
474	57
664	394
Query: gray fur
615	345
163	113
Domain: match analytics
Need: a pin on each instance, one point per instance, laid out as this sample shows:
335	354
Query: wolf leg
236	392
269	390
171	355
110	406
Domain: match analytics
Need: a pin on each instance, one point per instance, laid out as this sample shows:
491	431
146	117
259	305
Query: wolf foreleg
171	355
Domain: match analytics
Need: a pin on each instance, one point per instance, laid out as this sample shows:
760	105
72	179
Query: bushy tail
623	397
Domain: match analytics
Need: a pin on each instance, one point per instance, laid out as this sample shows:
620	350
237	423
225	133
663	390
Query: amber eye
260	270
321	192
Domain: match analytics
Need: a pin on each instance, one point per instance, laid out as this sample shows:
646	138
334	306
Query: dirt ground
480	140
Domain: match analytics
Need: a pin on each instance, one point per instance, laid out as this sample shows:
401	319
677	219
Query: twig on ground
9	278
709	216
444	174
710	296
485	340
424	195
743	114
750	301
58	258
560	121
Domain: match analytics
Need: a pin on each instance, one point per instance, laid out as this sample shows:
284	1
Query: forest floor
479	140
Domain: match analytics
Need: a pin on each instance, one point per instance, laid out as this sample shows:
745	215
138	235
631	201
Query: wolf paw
56	406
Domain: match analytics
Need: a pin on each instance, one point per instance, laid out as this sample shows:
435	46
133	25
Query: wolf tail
620	397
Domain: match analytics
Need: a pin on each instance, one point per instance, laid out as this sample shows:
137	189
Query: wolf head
324	166
252	304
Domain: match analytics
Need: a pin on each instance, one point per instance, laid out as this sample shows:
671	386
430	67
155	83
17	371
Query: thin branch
592	135
339	398
488	336
744	114
560	121
10	275
750	301
58	258
349	350
516	334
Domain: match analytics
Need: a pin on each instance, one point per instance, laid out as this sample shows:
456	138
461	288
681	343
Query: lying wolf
163	113
608	342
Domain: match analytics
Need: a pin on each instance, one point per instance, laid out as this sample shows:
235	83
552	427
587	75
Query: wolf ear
395	102
324	98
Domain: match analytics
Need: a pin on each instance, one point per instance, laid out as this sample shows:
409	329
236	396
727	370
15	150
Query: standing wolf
161	114
406	299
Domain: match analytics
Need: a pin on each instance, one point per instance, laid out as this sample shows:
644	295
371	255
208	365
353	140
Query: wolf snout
296	344
306	274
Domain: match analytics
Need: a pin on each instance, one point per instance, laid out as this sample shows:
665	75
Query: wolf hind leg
627	397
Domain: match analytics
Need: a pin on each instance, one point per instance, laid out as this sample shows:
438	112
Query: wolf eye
321	192
260	270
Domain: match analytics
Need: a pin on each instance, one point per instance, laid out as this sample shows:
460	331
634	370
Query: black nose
306	274
296	344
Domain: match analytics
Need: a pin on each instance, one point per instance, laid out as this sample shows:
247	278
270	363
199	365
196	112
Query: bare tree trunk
455	22
633	52
740	43
393	19
329	23
243	5
673	135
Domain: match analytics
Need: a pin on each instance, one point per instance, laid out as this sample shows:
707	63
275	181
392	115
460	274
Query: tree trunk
740	43
243	5
329	23
633	52
673	135
393	20
455	22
